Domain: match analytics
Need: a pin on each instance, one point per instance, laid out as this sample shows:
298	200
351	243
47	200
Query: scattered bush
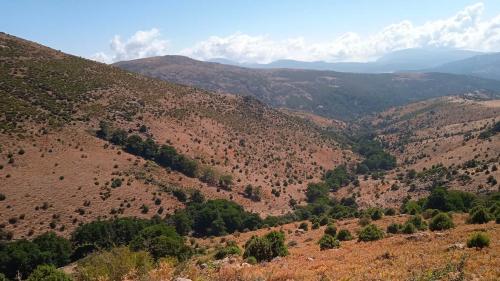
370	233
344	235
266	248
394	228
328	242
331	230
478	240
229	250
441	221
480	216
418	222
304	226
409	228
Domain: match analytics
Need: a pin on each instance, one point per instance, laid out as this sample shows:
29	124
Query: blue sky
252	31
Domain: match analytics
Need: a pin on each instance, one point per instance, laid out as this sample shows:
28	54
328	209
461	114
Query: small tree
370	233
441	221
328	242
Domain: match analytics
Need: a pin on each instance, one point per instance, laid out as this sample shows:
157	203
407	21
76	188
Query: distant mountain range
485	66
339	95
398	61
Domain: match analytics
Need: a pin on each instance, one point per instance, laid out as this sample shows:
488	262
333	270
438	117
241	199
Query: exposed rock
456	246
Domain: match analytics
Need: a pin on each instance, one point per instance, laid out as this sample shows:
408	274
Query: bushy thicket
375	156
24	256
337	177
215	217
267	247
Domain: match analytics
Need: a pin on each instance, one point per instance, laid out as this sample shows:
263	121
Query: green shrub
390	212
304	226
267	247
47	273
251	260
328	242
3	278
376	214
344	235
418	222
409	228
478	240
480	216
331	230
113	265
161	241
429	213
2	197
370	233
441	221
394	228
227	251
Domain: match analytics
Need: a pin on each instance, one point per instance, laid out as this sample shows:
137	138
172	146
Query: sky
252	31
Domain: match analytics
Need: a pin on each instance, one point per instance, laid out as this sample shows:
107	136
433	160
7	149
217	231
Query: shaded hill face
326	93
56	174
485	66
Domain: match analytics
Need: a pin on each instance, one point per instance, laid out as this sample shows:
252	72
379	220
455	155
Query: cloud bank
142	44
465	30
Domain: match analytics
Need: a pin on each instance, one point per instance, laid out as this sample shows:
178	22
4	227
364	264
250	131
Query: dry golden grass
396	257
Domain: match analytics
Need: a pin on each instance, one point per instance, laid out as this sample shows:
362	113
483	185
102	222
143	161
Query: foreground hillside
55	173
327	93
397	257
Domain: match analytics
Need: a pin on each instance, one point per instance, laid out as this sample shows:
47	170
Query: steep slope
485	66
55	173
326	93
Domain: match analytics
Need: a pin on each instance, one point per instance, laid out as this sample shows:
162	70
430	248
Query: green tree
54	249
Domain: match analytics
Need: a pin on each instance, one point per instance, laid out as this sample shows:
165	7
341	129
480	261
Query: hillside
330	94
55	173
485	66
439	141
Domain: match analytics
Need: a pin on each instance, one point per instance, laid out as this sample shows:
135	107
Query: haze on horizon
255	32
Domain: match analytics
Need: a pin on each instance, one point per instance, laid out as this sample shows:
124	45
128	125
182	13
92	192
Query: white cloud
465	30
140	45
